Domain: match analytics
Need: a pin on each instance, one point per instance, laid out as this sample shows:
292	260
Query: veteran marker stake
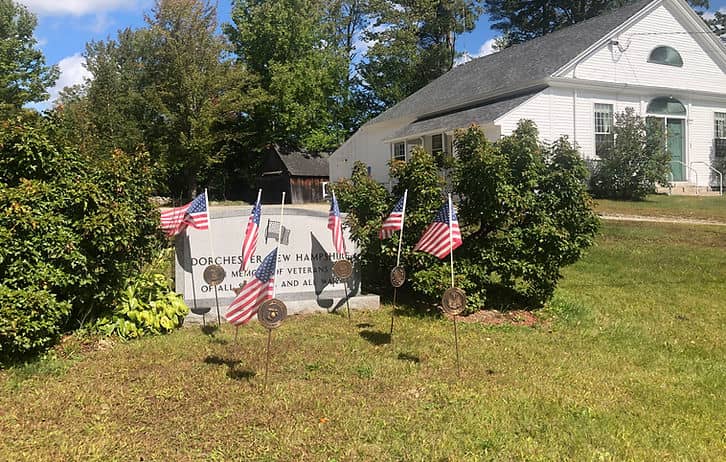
398	274
211	249
252	227
272	312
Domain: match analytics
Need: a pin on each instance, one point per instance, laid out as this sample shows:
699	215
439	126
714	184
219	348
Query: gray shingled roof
513	68
478	115
304	164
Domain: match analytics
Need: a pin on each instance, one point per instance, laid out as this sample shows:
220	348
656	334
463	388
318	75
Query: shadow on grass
233	372
210	329
363	325
376	338
409	357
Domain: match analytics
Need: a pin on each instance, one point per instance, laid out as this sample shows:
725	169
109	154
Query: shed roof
305	164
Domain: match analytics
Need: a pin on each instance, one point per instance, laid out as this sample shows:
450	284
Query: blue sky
64	27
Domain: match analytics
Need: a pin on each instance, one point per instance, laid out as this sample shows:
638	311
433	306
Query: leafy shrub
29	321
74	228
637	161
368	203
147	306
522	207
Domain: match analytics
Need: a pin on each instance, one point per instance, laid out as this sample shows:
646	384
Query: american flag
193	214
394	222
257	290
435	239
335	225
250	241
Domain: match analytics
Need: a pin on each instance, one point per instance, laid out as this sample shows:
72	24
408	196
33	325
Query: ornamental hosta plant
522	207
147	306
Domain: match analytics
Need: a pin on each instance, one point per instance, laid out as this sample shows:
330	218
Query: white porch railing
688	177
720	175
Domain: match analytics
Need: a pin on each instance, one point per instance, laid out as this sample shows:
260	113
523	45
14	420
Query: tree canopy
24	77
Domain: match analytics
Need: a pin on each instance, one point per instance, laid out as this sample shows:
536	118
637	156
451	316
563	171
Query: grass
711	208
629	364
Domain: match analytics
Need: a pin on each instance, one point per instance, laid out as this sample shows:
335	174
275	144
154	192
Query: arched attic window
666	106
665	55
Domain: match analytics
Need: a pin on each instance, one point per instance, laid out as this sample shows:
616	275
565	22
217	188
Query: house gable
624	56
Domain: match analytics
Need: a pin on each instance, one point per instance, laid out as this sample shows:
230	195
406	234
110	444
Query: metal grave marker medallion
214	275
343	269
272	313
398	276
453	301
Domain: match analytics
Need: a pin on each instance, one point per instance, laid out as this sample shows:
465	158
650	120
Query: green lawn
629	363
712	208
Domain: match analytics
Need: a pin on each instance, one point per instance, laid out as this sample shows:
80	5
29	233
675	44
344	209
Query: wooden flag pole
274	284
244	265
398	260
451	252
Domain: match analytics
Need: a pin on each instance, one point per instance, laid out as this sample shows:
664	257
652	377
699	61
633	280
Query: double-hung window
603	128
399	151
437	143
719	133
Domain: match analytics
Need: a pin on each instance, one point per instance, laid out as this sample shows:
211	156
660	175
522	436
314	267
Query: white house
656	56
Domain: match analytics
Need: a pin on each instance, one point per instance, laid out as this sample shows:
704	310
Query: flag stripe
251	233
194	214
394	222
260	288
335	225
436	239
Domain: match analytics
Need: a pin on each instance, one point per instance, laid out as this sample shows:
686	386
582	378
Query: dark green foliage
636	163
73	228
30	321
527	210
369	199
522	207
23	73
413	44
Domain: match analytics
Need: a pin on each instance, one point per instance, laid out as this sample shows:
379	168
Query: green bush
72	227
522	207
148	306
637	161
30	321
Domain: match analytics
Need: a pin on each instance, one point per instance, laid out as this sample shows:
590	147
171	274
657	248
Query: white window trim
594	122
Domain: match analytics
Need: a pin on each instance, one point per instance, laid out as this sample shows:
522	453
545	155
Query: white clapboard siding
631	66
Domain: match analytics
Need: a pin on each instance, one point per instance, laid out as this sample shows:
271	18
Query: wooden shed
300	174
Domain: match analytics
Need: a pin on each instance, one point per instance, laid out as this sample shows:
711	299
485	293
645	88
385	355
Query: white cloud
76	7
72	72
487	48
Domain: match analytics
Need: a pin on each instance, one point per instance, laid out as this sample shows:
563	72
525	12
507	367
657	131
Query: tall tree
173	89
296	54
414	42
24	76
522	20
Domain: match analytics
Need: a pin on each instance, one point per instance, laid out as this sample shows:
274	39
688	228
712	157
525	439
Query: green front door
674	130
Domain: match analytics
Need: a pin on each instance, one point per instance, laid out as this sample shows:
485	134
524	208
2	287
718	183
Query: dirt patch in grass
498	318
